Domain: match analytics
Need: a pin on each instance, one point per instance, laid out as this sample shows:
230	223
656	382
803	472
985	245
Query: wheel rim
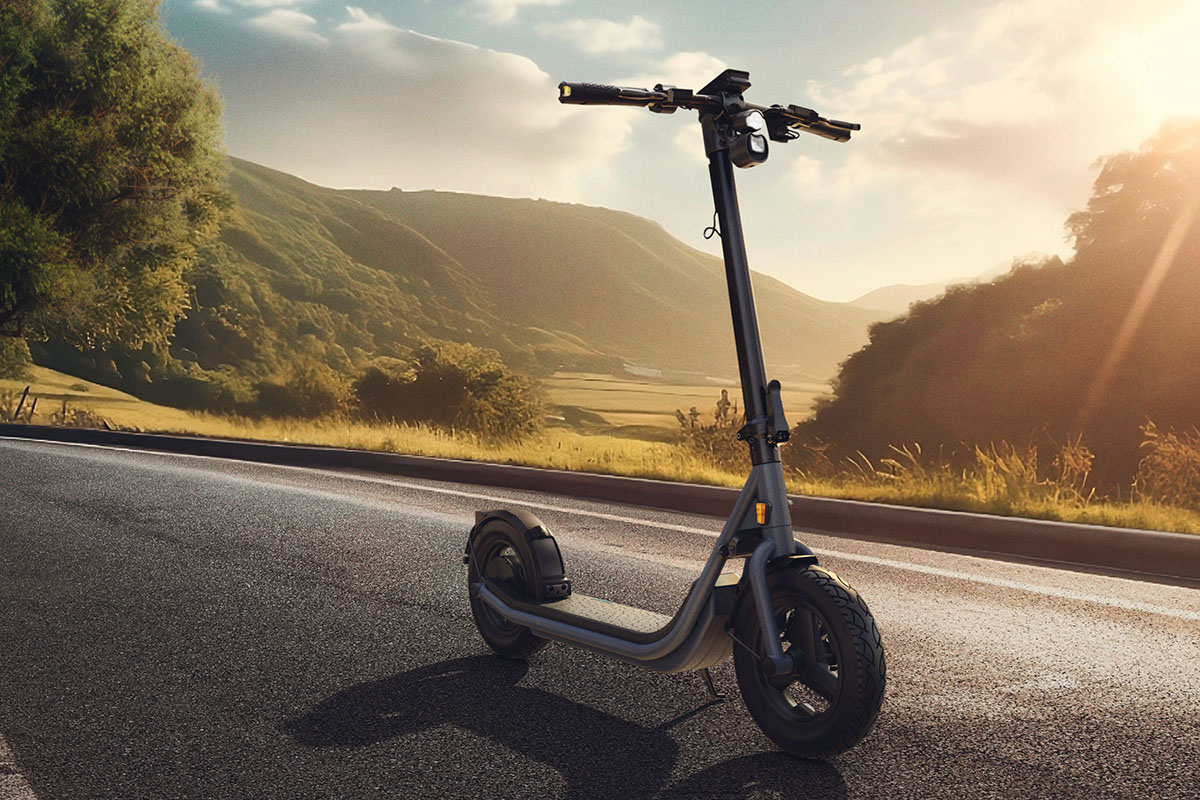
809	694
503	567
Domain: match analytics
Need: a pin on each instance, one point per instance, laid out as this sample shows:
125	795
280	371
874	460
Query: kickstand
708	684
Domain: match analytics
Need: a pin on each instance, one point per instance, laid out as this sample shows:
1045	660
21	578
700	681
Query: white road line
13	785
1003	583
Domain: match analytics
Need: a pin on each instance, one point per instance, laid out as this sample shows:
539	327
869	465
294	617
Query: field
645	408
618	437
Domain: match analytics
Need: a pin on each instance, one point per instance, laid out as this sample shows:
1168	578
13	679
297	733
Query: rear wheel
831	697
501	557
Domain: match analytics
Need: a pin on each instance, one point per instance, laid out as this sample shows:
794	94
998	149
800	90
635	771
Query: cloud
383	106
1019	96
991	127
690	142
269	3
502	11
689	69
605	36
805	171
211	5
290	25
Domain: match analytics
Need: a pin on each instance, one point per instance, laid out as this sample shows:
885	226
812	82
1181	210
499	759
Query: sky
983	122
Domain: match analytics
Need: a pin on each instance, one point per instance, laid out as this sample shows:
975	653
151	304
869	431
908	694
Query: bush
457	386
14	358
310	390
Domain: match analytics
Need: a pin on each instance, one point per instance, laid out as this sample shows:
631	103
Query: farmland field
632	405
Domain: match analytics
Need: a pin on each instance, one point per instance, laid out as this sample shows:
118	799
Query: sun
1159	64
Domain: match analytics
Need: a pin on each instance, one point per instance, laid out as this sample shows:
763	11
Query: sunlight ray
1137	311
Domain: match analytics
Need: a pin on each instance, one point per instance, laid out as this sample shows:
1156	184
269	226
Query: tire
501	553
829	705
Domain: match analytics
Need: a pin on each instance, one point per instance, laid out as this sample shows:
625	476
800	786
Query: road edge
1136	553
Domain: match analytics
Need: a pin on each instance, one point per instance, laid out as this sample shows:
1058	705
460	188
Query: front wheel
830	699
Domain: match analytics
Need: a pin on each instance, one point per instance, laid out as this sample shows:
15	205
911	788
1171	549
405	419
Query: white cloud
502	11
290	24
383	106
211	5
691	143
269	3
605	36
992	127
687	69
805	171
1024	102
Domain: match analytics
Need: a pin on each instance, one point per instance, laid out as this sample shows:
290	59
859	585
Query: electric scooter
806	650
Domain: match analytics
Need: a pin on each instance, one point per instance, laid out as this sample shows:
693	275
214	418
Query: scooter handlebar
598	94
667	98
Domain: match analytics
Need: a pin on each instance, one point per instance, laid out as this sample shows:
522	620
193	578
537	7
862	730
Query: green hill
341	277
1092	348
622	284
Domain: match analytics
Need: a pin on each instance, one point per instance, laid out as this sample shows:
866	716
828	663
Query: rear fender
546	577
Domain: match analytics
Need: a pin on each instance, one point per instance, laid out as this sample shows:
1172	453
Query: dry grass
1004	480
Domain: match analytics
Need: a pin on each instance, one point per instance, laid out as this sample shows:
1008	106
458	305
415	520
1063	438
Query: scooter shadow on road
597	754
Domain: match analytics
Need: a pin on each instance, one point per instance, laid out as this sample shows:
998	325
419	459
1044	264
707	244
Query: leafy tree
110	167
1093	347
454	386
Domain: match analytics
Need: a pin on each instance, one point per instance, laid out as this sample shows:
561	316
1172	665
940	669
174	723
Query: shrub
310	390
14	357
457	386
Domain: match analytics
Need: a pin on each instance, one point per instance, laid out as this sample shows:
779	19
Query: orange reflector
760	513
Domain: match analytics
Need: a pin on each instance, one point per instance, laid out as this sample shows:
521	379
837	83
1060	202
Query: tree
454	386
110	167
1054	351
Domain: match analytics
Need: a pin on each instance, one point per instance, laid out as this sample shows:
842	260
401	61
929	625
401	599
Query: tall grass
1002	479
997	479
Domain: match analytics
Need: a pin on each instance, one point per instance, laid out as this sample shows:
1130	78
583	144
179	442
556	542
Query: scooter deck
606	612
614	619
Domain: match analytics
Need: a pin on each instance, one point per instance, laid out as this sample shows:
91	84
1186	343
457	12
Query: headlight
748	149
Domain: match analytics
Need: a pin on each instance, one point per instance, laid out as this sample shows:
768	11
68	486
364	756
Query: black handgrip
824	129
850	126
597	94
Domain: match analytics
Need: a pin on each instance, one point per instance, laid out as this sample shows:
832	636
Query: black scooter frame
697	637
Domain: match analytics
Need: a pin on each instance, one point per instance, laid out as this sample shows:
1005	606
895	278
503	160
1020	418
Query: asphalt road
185	627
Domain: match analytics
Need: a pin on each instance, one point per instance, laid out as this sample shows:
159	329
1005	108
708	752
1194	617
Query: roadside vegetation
997	479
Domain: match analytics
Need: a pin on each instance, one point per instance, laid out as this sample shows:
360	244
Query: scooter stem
741	302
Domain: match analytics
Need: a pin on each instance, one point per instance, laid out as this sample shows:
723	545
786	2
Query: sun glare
1159	64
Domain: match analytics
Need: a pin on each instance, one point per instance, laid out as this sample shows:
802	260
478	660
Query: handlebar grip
827	131
598	94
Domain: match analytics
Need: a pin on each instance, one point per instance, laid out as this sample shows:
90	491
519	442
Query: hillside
622	284
302	272
1092	348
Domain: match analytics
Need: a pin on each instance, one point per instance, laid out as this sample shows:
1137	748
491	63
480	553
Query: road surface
188	627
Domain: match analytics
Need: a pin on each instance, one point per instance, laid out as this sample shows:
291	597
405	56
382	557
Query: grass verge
560	448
